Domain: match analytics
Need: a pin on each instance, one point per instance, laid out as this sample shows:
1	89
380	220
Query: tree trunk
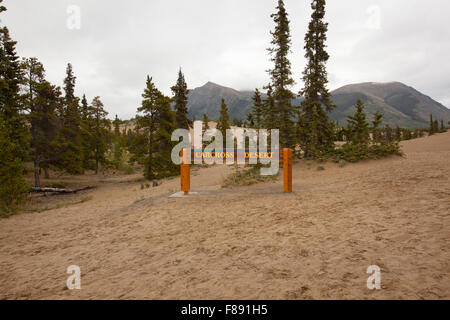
37	177
59	190
46	173
96	166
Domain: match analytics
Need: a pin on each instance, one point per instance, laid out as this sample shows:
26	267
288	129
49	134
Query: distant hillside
207	99
401	104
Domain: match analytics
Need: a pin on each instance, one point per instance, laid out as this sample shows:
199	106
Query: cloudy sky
117	43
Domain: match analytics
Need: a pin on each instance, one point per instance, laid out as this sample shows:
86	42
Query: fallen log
58	190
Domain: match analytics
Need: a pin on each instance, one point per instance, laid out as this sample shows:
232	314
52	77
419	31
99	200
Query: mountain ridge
401	104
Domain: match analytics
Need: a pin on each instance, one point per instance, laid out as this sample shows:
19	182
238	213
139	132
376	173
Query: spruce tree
281	77
257	109
431	129
205	126
224	120
269	110
100	132
33	76
85	110
388	133
70	138
398	133
118	143
166	124
87	133
358	127
13	187
152	143
44	127
436	126
180	98
442	126
12	104
377	120
14	137
317	133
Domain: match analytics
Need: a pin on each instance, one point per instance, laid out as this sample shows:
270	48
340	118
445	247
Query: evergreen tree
13	187
33	76
249	121
118	144
281	77
431	130
101	130
12	104
152	144
44	127
436	126
224	120
87	133
377	120
317	134
358	127
388	133
205	126
257	109
70	139
14	137
406	134
180	98
269	110
85	110
443	129
398	133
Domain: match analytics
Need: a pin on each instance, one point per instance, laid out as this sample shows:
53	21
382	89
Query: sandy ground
249	242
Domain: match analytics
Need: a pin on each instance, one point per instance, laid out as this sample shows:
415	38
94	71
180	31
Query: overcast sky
119	42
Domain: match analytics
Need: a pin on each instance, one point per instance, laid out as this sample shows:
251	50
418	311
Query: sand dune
249	242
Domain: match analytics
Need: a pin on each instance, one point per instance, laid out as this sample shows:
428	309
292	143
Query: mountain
207	99
400	104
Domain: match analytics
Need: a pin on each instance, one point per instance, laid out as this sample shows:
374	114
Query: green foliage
257	110
13	187
12	103
357	126
443	129
205	126
224	121
316	133
431	130
320	168
358	146
151	144
282	112
246	177
68	143
100	134
354	153
377	120
180	98
436	126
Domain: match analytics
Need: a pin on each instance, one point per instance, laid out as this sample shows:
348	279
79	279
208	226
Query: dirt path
249	242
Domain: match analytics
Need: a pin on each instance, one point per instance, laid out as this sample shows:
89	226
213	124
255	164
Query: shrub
247	177
13	187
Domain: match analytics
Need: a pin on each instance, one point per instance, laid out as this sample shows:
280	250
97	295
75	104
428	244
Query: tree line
51	127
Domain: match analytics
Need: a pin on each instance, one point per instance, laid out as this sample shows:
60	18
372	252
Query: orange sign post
287	169
185	171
